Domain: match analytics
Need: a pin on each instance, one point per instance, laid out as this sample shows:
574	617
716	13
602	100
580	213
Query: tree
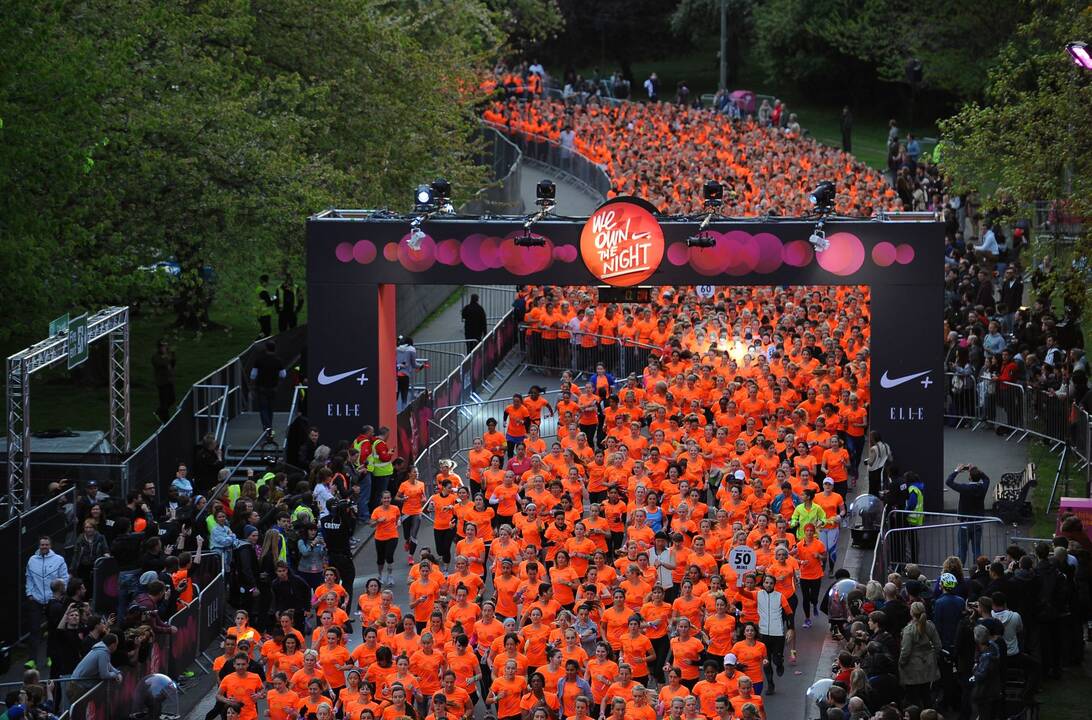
206	131
870	41
1030	140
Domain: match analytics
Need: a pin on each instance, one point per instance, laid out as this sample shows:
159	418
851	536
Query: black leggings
444	540
775	645
809	589
660	646
384	551
409	531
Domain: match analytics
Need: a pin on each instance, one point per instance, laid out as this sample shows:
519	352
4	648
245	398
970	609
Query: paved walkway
984	448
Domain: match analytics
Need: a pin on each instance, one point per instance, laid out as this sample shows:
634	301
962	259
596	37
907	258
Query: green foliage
820	41
206	131
1030	140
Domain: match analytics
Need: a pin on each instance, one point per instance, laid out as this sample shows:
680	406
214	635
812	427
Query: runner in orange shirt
241	689
385	521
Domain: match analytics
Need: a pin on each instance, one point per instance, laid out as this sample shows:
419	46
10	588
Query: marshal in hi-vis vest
917	512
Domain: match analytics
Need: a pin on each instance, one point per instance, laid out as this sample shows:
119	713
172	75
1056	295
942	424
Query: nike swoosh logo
887	382
324	379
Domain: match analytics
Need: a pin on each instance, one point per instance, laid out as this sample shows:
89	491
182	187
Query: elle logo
342	409
907	413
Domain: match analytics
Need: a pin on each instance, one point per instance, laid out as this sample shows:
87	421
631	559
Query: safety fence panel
19	538
582	353
938	537
496	300
1023	411
416	424
502	196
562	158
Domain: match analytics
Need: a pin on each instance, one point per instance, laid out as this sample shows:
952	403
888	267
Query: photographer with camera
337	531
972	504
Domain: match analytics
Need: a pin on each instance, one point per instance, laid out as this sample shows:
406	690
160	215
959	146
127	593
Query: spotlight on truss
701	240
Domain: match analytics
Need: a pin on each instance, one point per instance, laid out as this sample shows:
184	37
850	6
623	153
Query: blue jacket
779	500
947	612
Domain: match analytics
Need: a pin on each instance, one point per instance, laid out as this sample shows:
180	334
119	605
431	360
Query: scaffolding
111	323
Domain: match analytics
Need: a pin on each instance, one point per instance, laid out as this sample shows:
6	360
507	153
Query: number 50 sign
742	560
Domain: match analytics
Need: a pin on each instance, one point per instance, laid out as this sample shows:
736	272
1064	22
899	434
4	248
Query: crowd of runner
662	152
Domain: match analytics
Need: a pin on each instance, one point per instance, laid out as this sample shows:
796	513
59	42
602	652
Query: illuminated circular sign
622	244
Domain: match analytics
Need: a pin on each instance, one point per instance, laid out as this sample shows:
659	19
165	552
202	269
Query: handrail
224	483
573	151
55	499
297	392
618	340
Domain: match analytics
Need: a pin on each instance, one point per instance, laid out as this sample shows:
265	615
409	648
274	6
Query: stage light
822	198
441	190
546	193
700	240
529	240
423	199
1078	52
818	240
713	192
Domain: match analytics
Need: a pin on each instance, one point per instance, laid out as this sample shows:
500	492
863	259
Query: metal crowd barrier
620	357
562	158
1023	412
940	536
496	300
198	625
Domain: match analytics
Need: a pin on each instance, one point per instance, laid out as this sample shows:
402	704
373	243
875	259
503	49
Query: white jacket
770	608
41	571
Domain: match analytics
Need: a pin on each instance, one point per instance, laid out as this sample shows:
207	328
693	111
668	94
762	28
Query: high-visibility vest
282	549
917	514
261	307
264	479
233	492
300	511
378	467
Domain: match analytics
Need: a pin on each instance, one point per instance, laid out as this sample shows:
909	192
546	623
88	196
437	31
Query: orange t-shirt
750	657
280	702
686	654
830	504
329	659
414	494
634	651
510	692
386	519
807	555
516	418
443	510
240	690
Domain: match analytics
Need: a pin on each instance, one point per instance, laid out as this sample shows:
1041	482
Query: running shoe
807	622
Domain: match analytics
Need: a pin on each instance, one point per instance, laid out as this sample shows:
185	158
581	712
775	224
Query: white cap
827	480
740	475
730	659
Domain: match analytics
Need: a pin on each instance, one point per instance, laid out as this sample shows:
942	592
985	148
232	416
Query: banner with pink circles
490	251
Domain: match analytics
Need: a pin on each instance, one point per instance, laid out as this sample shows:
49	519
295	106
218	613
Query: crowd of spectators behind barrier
999	335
